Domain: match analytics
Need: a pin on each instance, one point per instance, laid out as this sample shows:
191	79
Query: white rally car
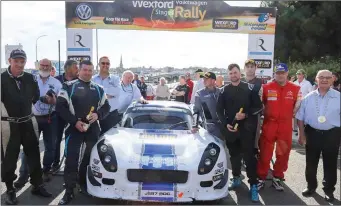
154	156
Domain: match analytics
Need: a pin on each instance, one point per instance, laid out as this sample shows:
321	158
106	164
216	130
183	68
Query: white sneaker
277	184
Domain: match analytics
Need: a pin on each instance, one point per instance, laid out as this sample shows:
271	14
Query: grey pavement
294	184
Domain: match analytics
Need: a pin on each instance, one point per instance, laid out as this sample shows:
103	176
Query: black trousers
21	134
109	122
327	143
61	124
73	144
243	147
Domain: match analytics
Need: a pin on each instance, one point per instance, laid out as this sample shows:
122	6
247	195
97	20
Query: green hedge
313	67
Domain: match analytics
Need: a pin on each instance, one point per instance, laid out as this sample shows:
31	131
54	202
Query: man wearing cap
305	86
19	90
281	99
199	75
237	103
250	68
205	104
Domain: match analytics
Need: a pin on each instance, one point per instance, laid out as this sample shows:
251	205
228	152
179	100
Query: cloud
23	22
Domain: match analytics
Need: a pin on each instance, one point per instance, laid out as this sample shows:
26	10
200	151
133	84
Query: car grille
157	176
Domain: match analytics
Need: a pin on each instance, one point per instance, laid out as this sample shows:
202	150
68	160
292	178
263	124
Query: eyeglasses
105	63
326	78
44	65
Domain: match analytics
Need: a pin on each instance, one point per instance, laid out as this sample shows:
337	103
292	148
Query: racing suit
74	103
281	102
17	95
256	119
205	104
230	100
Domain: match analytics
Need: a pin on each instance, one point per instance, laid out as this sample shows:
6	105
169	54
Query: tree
307	30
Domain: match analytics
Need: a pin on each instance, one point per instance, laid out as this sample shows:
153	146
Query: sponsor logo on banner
83	11
225	24
263	63
79	58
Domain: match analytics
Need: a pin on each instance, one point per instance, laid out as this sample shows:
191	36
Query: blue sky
138	48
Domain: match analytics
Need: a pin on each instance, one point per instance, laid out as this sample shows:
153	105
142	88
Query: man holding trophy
80	103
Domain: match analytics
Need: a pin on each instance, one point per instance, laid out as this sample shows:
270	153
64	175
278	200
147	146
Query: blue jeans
49	137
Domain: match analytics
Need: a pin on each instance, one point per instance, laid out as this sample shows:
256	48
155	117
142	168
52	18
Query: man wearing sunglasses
111	86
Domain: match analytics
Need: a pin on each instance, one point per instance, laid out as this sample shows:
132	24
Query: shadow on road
321	201
272	197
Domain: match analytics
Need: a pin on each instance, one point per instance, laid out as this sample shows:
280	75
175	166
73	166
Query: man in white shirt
129	93
111	86
199	75
306	88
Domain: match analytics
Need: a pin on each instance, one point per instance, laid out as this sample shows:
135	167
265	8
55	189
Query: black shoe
308	192
55	168
41	191
20	183
11	197
68	196
329	197
83	190
47	176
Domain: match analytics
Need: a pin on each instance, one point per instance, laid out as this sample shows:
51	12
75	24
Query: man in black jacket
235	96
71	73
18	91
80	103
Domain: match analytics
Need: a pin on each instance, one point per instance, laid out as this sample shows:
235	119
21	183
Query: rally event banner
171	15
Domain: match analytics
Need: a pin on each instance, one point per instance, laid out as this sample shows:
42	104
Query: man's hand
143	101
51	100
230	128
93	117
302	139
194	130
79	126
240	116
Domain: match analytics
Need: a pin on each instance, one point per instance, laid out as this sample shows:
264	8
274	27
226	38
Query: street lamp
37	46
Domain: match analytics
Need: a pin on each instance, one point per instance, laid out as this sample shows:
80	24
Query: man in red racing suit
281	100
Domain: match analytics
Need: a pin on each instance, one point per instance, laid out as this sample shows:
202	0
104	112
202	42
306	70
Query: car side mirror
128	123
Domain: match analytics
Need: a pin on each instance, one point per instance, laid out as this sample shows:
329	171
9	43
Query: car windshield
158	118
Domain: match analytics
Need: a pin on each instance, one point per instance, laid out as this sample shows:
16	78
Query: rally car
155	156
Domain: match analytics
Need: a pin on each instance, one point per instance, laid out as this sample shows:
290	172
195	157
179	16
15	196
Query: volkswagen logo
84	12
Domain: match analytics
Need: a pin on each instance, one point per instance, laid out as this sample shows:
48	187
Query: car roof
162	104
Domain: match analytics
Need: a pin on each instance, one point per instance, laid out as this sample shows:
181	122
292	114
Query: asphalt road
294	184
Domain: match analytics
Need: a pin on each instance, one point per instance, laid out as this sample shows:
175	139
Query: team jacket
281	102
18	93
76	99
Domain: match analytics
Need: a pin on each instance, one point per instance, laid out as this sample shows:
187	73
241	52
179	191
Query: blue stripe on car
166	154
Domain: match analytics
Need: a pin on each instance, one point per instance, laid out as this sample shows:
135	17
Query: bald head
324	79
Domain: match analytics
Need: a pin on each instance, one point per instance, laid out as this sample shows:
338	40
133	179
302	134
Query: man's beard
235	80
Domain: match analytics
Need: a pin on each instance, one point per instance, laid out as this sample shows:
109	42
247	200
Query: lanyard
317	106
131	86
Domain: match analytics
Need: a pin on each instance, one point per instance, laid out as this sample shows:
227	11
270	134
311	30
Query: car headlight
213	152
209	159
208	162
107	156
104	148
